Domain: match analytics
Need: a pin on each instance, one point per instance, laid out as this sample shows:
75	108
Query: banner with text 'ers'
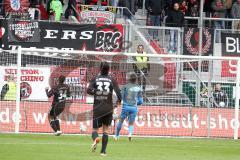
61	36
150	121
231	48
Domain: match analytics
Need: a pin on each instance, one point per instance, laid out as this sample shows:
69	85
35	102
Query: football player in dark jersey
60	92
101	87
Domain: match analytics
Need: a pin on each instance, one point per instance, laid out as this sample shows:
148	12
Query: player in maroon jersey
60	93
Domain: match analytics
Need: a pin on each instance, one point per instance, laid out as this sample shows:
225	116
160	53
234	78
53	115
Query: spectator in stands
95	2
131	5
193	12
114	3
91	2
219	11
43	11
236	14
207	9
175	18
190	3
1	8
104	3
220	97
9	90
141	67
183	7
168	5
32	11
154	8
56	10
229	3
140	4
70	13
48	6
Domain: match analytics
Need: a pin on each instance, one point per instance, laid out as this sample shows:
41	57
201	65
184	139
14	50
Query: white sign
33	81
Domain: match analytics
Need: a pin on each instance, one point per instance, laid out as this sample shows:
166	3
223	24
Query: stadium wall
151	120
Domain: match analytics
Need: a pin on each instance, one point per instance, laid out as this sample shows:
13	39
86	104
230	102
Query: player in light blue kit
132	97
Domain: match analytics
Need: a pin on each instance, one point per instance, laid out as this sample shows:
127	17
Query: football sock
104	142
119	126
57	124
94	135
130	130
53	125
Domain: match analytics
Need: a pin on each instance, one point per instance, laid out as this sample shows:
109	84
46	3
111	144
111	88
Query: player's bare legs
95	139
119	127
130	130
104	139
57	122
52	122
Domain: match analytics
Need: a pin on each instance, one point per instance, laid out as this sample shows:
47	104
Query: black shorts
104	120
57	109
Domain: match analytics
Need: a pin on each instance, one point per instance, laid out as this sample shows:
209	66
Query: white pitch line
43	143
111	144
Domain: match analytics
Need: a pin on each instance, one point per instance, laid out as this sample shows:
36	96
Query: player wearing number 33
60	92
101	87
132	97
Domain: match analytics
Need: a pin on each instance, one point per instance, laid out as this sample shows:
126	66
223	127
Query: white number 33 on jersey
103	88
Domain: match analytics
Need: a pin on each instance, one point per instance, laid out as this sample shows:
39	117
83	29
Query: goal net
183	95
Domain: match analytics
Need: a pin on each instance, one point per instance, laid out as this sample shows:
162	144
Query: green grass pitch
66	147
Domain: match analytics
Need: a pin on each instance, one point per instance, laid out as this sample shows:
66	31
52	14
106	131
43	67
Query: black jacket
4	91
154	6
175	19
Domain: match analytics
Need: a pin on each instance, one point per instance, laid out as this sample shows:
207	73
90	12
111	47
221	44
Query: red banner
97	14
151	120
229	68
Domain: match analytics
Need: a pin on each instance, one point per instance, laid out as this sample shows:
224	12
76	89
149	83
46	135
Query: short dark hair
104	68
61	79
132	78
140	45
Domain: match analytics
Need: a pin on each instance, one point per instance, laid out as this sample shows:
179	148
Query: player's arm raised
50	92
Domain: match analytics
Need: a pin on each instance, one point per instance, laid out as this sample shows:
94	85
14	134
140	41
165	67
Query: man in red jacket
94	2
43	12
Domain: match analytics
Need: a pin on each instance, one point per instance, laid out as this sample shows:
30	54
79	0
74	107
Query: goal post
236	129
169	109
18	83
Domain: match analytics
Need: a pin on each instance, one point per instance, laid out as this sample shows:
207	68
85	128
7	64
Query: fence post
143	8
209	103
17	113
237	100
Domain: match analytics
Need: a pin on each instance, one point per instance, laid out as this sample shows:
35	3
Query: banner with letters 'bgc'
61	36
